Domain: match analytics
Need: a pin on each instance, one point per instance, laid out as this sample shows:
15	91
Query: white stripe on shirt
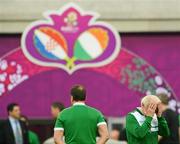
61	129
101	123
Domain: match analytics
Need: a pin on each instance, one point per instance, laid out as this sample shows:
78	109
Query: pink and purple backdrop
108	90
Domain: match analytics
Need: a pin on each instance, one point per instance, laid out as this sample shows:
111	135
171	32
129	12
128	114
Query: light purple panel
161	51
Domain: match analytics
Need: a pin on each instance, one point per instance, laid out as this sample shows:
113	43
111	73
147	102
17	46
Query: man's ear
72	100
143	106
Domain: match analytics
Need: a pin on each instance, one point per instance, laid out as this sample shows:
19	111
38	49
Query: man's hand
58	137
150	111
159	113
104	134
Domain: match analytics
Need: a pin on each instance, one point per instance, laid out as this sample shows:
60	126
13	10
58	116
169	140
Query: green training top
80	123
145	130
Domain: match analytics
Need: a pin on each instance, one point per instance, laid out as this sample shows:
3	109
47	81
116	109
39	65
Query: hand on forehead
155	101
150	99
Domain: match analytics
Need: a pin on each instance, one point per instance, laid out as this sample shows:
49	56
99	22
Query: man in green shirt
80	123
144	124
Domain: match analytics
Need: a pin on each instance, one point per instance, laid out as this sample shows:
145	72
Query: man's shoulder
134	115
94	110
170	112
5	122
131	113
2	123
66	110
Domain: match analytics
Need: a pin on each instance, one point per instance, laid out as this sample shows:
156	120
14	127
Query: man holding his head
14	131
80	123
144	124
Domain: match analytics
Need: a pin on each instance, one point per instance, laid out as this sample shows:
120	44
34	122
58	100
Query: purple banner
108	87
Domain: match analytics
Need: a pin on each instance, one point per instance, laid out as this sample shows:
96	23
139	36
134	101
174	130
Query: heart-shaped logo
70	39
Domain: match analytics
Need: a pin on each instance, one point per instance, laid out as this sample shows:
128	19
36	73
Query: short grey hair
146	100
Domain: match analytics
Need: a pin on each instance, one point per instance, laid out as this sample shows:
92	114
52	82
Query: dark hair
78	93
58	105
11	106
164	98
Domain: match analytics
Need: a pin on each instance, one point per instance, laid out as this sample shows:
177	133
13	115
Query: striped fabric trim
154	129
61	129
78	103
101	123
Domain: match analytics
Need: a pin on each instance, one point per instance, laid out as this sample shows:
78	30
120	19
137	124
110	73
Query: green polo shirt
80	123
145	130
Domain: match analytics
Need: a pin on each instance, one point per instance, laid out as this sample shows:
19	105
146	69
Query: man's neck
165	107
141	110
12	118
79	103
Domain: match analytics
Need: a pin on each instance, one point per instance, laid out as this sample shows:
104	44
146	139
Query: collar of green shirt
79	103
138	109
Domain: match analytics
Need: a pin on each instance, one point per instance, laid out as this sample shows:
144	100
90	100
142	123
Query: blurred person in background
145	123
118	136
14	131
172	119
123	136
115	134
1	133
33	138
56	108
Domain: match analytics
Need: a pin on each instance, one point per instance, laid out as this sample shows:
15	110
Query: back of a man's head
78	93
164	98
